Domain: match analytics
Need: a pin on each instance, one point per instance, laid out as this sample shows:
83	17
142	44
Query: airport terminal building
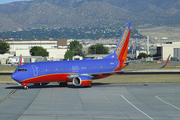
56	48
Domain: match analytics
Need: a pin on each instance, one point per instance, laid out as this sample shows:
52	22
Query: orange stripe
86	82
123	52
48	78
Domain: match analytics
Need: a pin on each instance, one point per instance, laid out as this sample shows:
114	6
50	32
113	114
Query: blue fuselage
59	70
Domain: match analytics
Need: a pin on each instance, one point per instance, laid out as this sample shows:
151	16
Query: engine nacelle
82	81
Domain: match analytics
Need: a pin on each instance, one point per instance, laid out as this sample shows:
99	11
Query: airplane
80	72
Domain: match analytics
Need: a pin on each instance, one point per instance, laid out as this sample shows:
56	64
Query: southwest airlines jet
80	72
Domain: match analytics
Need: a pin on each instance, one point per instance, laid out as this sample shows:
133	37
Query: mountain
88	13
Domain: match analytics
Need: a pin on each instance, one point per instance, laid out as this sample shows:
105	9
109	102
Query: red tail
20	61
121	50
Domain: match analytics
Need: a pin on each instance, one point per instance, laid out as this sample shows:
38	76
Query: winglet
164	65
20	60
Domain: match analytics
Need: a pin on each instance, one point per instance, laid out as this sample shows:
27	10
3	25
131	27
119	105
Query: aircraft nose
14	76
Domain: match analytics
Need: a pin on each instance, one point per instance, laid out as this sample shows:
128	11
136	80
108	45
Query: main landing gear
63	84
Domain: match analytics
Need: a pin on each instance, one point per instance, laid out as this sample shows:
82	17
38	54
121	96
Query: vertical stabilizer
121	50
20	61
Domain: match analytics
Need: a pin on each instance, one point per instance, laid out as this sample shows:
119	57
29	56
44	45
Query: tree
69	55
4	47
76	48
98	49
144	55
38	51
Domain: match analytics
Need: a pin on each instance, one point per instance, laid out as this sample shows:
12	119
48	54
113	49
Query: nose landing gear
25	86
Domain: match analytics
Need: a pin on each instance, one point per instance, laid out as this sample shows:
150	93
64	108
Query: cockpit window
24	70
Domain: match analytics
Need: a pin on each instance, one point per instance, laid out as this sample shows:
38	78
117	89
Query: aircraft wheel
63	84
44	84
37	84
40	84
25	87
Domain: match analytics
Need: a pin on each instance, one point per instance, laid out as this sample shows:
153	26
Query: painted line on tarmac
9	95
137	108
167	103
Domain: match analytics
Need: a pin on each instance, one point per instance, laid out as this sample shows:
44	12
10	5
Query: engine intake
82	81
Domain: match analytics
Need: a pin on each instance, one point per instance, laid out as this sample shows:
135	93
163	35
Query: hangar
167	48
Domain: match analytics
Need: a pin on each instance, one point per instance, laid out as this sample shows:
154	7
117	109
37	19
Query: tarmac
128	101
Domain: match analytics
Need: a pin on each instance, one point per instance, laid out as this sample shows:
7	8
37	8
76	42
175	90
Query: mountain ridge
88	13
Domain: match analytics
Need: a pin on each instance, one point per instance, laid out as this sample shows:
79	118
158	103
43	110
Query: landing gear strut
63	84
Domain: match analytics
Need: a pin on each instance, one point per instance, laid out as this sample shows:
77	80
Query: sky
9	1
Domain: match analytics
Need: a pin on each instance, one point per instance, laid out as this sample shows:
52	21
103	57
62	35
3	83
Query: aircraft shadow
15	86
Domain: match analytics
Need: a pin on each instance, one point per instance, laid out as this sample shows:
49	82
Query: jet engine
82	81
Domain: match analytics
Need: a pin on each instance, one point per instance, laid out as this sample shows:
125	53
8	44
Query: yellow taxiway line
9	95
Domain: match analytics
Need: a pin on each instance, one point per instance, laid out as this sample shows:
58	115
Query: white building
172	48
56	48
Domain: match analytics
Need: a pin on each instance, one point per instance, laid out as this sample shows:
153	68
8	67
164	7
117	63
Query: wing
163	66
114	72
120	71
140	60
